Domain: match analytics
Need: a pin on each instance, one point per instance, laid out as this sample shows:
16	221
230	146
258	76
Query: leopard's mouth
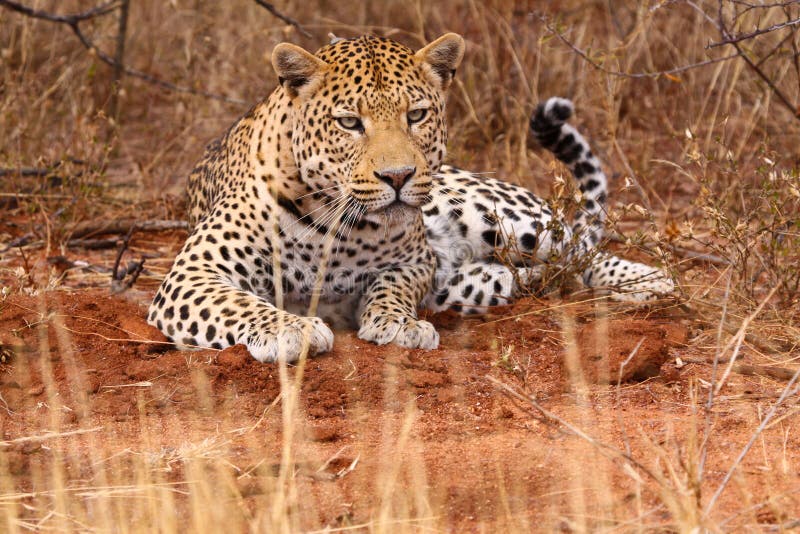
396	212
396	206
397	203
392	206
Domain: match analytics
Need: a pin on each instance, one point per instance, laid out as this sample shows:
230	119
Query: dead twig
79	234
27	171
61	262
678	251
746	369
123	226
285	18
19	242
119	283
786	393
97	11
49	435
38	171
548	417
93	244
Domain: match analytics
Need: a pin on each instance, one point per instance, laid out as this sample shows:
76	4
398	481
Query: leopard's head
367	117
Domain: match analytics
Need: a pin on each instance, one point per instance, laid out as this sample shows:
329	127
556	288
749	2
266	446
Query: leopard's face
368	119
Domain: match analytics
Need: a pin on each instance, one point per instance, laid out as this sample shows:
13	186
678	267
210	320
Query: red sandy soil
481	456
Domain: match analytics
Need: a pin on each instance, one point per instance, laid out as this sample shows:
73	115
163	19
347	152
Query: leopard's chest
338	263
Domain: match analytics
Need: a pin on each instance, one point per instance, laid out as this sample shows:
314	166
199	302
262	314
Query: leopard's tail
548	125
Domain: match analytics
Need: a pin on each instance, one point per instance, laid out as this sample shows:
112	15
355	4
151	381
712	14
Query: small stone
324	432
35	391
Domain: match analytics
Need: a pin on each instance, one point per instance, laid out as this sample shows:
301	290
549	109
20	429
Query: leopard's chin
394	212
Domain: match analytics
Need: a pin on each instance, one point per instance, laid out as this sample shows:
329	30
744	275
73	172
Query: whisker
340	233
327	243
323	206
324	219
334	228
352	220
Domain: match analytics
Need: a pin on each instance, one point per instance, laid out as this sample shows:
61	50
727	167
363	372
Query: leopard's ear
299	72
441	58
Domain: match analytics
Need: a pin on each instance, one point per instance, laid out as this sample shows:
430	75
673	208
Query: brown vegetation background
699	130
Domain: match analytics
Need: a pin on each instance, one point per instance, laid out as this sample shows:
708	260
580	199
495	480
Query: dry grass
705	159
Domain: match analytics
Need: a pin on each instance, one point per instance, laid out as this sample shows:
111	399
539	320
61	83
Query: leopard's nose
397	176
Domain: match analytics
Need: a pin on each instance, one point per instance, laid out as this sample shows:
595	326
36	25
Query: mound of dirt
96	358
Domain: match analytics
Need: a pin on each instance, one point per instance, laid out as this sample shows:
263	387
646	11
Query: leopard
328	206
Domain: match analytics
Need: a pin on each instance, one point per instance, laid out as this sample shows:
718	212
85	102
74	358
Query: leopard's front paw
291	339
403	331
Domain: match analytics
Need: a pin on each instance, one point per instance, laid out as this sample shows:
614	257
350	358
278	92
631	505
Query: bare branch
119	57
789	37
123	226
119	283
656	74
743	37
285	18
27	171
39	171
102	9
750	5
105	58
728	38
73	22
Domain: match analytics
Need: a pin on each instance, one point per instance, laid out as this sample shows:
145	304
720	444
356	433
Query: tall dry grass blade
786	393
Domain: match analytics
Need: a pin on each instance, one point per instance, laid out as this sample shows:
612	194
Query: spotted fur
470	218
330	196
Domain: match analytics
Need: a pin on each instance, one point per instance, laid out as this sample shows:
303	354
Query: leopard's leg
475	286
208	300
627	280
389	307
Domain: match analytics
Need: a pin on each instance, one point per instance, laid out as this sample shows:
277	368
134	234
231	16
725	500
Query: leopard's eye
350	123
416	115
